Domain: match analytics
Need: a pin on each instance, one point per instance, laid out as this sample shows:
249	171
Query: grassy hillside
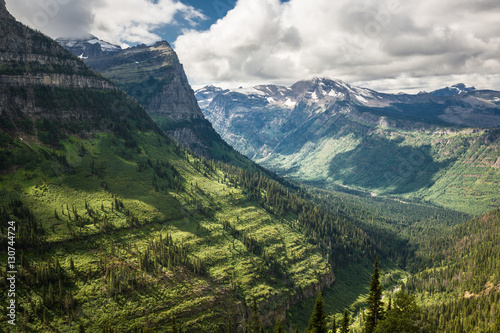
105	228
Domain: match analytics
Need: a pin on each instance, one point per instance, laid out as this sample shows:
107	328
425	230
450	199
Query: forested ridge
461	286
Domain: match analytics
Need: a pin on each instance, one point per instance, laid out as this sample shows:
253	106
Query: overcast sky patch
390	45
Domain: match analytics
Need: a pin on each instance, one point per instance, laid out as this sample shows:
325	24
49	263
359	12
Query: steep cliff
48	93
155	77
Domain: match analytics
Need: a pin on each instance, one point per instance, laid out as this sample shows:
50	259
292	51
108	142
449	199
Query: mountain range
430	147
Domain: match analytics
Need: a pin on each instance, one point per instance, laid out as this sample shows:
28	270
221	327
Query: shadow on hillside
386	166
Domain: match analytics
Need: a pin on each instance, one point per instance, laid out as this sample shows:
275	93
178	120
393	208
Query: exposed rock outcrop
156	78
45	88
56	80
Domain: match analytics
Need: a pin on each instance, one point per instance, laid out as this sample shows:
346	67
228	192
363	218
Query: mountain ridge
155	77
89	47
328	133
321	91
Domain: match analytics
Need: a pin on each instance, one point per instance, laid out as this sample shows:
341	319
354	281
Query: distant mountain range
457	105
454	90
330	134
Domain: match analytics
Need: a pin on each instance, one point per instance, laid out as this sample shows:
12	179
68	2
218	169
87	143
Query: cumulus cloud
391	44
116	21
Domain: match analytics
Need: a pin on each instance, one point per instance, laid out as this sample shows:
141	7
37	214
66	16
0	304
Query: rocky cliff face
176	99
40	81
155	77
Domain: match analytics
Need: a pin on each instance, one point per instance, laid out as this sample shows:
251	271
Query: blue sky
213	10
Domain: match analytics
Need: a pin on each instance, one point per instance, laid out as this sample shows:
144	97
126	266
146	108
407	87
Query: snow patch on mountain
454	90
89	47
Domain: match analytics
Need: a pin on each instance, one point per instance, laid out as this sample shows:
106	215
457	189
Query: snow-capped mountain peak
454	90
89	47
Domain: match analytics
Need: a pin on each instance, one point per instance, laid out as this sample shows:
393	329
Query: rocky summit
154	76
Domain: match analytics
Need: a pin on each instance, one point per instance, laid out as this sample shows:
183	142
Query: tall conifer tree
256	326
344	327
375	311
317	323
278	328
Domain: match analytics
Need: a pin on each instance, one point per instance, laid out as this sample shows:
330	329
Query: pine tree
334	326
317	323
375	311
174	326
255	317
278	328
344	326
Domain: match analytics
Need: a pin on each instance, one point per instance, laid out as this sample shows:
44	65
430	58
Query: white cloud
392	44
116	21
384	44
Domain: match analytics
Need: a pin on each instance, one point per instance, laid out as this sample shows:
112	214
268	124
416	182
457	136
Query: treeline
398	226
165	253
464	260
54	299
477	313
165	178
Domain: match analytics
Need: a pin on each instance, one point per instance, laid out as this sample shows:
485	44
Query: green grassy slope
161	192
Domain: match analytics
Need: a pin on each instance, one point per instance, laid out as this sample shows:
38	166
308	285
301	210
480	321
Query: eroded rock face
43	87
176	99
29	58
155	77
56	80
